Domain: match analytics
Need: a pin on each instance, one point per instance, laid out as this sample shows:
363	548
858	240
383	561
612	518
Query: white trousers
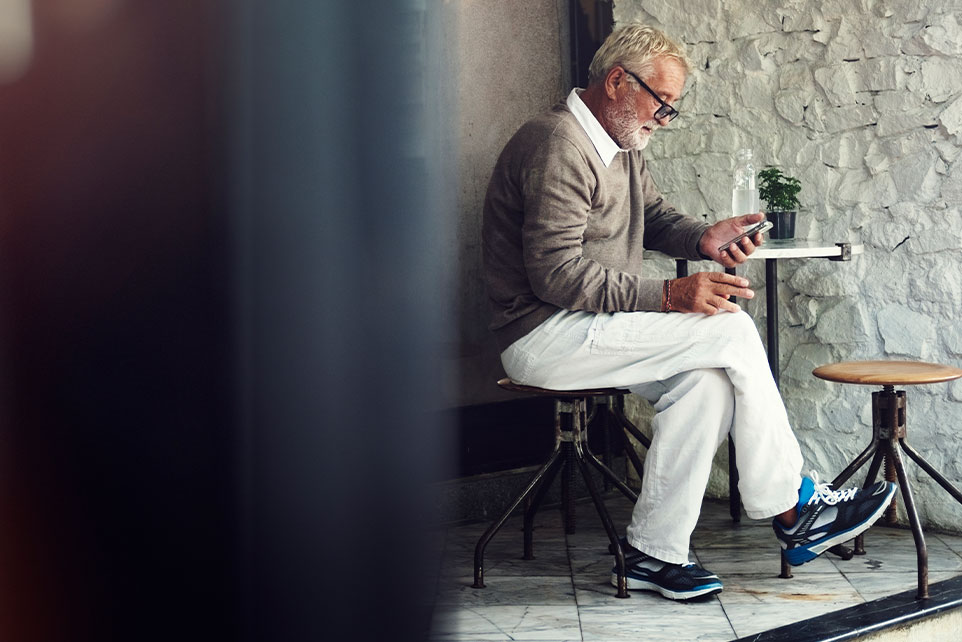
707	376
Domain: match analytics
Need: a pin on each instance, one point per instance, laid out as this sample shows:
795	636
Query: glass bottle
744	191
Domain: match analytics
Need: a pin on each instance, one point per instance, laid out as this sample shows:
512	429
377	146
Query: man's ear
613	80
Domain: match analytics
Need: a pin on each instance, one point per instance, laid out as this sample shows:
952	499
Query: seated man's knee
715	381
738	325
709	383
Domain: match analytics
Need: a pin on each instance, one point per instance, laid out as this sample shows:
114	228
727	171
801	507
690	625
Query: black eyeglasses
666	110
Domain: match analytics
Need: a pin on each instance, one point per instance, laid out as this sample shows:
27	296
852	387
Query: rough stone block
887	234
952	338
856	187
695	21
909	120
951	119
824	117
751	19
942	238
749	58
949	152
709	95
955	390
847	151
905	331
795	76
906	10
942	36
941	78
723	137
840	416
822	278
836	82
804	310
845	322
889	102
877	74
755	92
877	42
793	149
915	175
802	411
847	43
877	158
805	358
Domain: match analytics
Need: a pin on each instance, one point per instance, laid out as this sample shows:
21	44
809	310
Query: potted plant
780	193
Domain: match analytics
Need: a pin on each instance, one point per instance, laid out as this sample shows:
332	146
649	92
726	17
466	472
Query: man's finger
736	252
724	304
731	279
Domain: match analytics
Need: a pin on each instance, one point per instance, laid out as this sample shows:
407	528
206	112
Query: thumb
749	219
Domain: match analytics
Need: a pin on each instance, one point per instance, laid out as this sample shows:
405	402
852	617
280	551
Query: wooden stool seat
508	384
887	373
890	428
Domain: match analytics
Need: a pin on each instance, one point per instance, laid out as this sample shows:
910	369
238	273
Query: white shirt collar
605	146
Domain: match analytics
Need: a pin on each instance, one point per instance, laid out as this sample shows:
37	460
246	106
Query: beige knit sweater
561	230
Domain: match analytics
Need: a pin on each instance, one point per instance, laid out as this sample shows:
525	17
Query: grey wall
510	58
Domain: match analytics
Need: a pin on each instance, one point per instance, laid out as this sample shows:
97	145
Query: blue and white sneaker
827	517
674	581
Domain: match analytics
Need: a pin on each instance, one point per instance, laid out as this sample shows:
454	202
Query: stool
571	450
889	433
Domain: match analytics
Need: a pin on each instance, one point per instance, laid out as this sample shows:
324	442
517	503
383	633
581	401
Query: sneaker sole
635	584
802	554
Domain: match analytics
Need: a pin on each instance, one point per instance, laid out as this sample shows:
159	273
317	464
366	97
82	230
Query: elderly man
570	207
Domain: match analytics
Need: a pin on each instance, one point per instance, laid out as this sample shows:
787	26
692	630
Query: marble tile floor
564	594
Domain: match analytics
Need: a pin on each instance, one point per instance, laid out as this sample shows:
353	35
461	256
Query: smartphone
764	226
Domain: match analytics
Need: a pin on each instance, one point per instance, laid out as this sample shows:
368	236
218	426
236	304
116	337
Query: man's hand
724	231
708	292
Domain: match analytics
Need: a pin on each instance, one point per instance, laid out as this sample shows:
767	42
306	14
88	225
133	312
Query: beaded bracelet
667	293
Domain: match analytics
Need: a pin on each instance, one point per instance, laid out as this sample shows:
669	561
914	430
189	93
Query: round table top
799	249
792	249
887	373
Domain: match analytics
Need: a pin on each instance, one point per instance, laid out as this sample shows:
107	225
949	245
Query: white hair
636	45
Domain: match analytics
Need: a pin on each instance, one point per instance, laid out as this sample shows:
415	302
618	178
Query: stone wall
862	101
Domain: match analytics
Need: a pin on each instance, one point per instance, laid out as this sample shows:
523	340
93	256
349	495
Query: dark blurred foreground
219	321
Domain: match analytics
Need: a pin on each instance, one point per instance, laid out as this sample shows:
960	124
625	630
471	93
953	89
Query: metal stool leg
869	480
553	460
532	508
920	548
734	496
606	473
932	472
603	514
632	455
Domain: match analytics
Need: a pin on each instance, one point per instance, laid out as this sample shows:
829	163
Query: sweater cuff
650	293
694	241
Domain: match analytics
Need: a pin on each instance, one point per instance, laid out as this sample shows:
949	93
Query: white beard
625	129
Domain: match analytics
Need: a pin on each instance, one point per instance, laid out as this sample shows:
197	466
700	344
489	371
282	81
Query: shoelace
823	492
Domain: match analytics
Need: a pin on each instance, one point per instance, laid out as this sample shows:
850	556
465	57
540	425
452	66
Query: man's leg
629	349
694	414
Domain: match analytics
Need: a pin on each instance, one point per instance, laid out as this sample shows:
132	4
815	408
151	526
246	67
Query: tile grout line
721	604
574	590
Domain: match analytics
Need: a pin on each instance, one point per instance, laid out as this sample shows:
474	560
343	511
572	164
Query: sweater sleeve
557	191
